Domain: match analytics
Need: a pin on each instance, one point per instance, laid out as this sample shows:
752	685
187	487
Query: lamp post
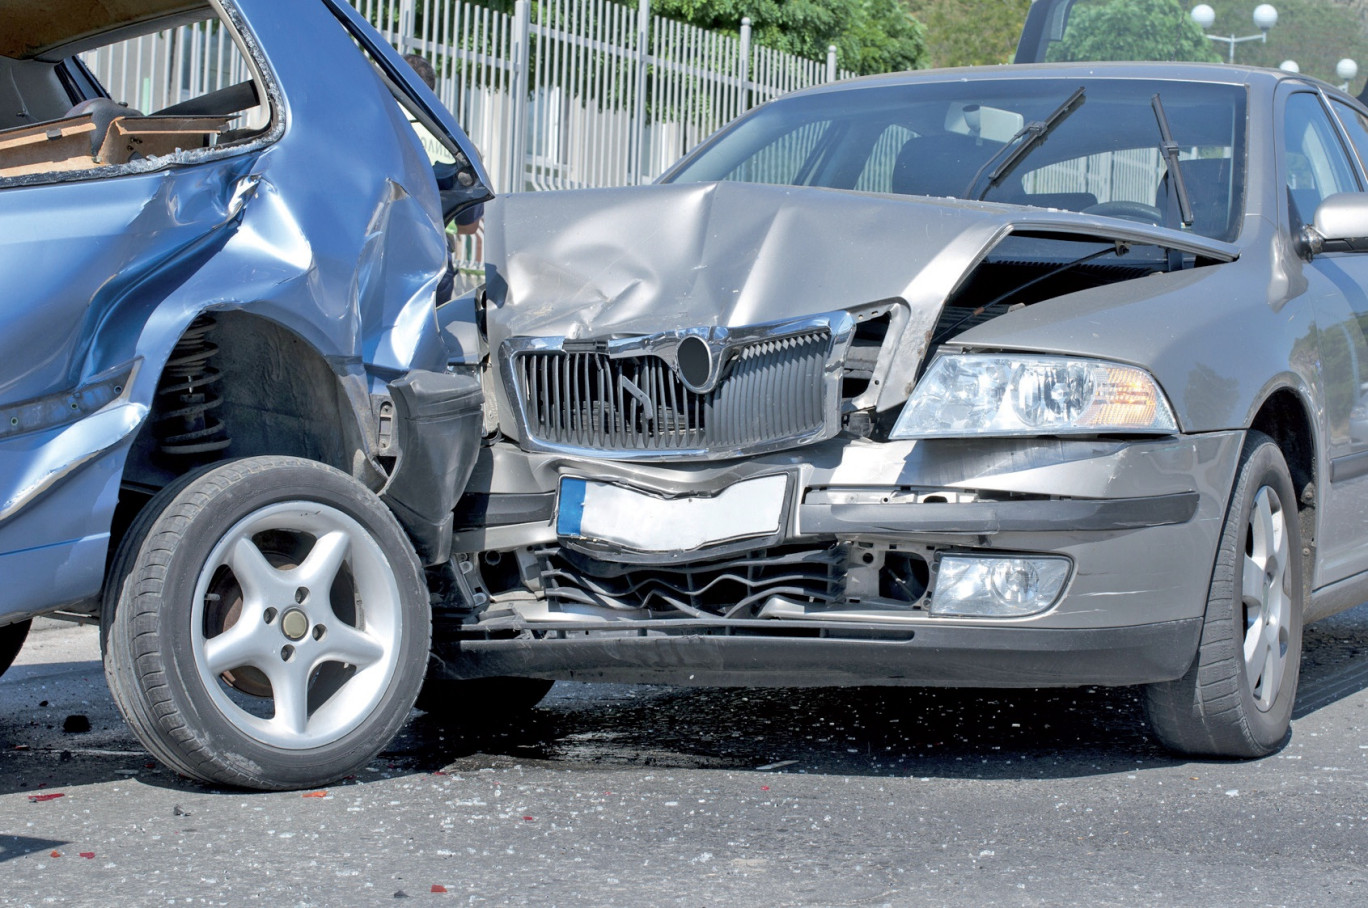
1346	70
1265	17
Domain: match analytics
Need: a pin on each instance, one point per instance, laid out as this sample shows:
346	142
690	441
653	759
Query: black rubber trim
437	418
1043	18
986	518
934	656
1351	466
479	509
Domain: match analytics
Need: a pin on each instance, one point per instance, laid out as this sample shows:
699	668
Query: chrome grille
771	391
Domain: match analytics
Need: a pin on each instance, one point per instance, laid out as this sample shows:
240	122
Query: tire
266	625
1236	698
481	701
11	641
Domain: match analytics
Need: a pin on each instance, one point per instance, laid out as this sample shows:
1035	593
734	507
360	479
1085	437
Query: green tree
871	36
1132	30
970	32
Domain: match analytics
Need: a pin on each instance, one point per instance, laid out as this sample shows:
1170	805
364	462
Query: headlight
988	586
997	394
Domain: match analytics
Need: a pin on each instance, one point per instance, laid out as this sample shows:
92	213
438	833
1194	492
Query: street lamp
1289	66
1346	70
1265	17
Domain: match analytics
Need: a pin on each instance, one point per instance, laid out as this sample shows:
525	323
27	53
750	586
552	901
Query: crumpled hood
595	263
644	259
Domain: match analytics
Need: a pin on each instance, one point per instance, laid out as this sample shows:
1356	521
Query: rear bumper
43	579
925	656
54	542
437	421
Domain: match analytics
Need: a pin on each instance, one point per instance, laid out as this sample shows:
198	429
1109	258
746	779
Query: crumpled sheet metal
336	239
637	260
596	263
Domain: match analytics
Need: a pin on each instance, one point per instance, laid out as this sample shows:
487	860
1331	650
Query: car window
789	159
877	174
1355	126
1138	177
171	96
944	139
1316	163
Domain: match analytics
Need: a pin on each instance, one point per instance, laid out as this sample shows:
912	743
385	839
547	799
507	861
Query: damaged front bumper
846	561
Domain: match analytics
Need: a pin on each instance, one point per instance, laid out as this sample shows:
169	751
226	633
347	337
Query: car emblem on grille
630	388
694	363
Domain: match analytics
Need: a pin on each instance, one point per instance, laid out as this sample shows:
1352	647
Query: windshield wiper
1169	149
1020	145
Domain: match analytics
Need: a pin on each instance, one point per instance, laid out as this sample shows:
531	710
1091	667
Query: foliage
970	32
871	36
1132	30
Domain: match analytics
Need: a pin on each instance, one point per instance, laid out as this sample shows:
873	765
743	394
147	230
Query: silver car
1023	378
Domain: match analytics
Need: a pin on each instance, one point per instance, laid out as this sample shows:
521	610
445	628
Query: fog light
991	587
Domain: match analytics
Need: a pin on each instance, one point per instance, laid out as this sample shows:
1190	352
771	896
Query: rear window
158	99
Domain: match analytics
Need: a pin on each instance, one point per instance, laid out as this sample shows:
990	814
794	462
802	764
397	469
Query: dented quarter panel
333	230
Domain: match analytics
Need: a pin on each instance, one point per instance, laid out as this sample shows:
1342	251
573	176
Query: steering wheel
1131	211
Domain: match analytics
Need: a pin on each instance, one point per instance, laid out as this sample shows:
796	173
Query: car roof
1212	73
38	29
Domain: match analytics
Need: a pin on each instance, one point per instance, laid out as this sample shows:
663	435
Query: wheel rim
308	641
1266	598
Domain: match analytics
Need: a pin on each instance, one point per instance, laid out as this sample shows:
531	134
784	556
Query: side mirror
1340	225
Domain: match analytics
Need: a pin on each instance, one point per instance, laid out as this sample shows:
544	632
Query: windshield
941	139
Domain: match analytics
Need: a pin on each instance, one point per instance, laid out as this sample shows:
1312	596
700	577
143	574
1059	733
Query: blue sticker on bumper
570	513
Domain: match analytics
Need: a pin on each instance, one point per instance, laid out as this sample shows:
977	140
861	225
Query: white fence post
744	58
636	146
831	63
406	33
517	154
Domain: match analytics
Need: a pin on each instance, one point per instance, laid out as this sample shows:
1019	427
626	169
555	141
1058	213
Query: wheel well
272	392
1283	418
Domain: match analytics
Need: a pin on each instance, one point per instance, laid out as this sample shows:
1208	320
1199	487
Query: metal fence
560	94
156	71
574	93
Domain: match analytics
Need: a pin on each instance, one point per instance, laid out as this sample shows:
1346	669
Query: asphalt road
618	795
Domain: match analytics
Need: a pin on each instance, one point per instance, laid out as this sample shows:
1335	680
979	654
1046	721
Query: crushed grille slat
734	587
770	391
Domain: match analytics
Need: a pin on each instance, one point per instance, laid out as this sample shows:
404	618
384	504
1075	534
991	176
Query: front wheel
266	625
1236	699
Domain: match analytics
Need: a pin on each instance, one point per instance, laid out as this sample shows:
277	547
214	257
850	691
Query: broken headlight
997	394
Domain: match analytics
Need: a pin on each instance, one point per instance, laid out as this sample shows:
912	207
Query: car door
1314	164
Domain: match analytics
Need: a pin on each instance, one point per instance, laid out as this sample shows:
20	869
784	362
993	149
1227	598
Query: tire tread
133	640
